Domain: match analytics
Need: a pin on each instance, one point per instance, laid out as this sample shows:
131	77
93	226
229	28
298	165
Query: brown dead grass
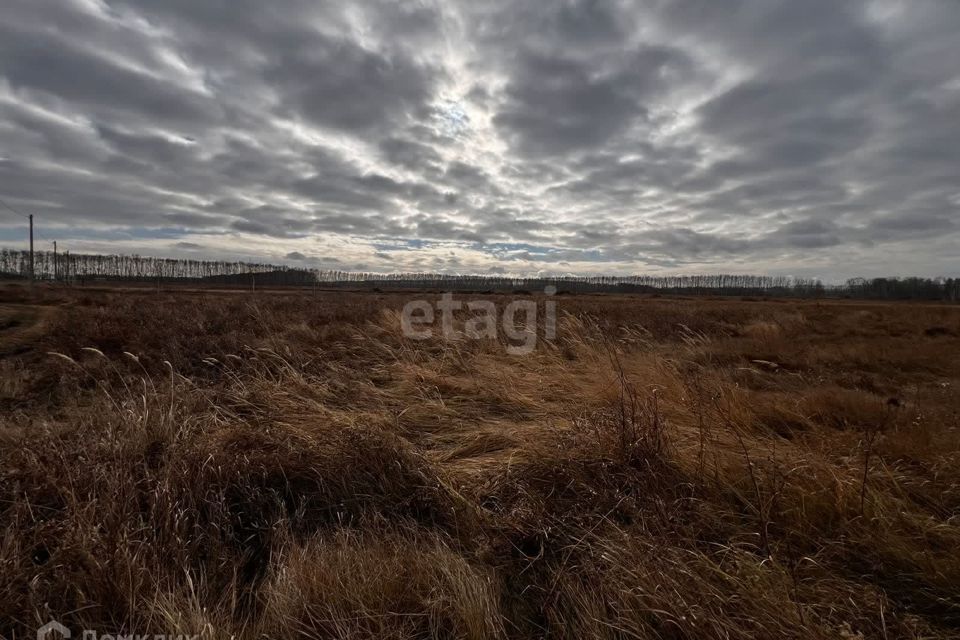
290	465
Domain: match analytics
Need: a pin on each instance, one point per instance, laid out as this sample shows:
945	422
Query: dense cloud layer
813	138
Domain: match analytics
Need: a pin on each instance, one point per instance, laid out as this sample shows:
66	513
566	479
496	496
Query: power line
36	231
22	215
6	213
10	215
39	235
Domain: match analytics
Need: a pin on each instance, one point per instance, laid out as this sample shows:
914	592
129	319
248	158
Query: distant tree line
81	268
695	284
84	268
947	289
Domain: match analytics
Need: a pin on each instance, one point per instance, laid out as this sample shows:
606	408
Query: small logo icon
52	627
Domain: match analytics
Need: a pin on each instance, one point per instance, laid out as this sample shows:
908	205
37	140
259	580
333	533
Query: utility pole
31	248
56	270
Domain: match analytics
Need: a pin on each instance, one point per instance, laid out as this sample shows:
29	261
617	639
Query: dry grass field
280	465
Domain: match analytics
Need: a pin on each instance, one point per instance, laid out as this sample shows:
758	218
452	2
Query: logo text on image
51	630
418	317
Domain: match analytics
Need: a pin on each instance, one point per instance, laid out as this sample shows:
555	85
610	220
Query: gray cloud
555	104
817	138
338	83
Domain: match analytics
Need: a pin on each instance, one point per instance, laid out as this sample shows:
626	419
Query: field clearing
21	325
284	464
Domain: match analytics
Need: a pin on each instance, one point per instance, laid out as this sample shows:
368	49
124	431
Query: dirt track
21	325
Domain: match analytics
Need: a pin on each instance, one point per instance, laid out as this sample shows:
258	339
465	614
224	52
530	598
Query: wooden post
31	249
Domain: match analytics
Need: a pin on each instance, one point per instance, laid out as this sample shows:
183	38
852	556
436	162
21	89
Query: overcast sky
813	137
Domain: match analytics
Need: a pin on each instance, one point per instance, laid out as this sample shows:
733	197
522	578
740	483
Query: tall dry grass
283	465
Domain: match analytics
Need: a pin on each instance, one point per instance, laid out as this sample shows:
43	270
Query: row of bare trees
82	268
947	289
86	267
695	284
